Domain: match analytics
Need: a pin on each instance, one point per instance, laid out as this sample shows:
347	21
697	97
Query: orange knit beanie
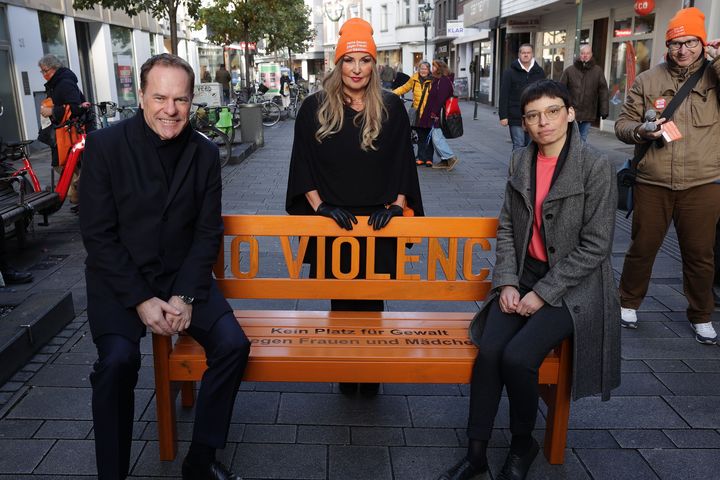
355	36
687	22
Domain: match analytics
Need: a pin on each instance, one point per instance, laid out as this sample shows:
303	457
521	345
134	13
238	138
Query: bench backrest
456	253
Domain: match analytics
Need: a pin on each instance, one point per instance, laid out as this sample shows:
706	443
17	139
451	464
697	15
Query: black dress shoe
348	388
14	277
516	466
464	470
214	471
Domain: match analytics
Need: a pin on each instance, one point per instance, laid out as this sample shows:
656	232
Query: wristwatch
186	300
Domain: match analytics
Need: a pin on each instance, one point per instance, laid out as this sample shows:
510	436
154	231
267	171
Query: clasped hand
341	216
165	318
510	302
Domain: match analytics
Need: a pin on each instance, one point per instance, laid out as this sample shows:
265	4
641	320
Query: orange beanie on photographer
687	22
356	35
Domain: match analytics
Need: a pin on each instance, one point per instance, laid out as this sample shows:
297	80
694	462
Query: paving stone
422	463
692	383
571	469
22	456
590	439
290	387
270	434
668	366
666	348
299	462
443	412
72	358
66	429
148	463
377	436
712	366
696	464
32	367
640	384
624	412
335	409
323	435
65	404
11	386
255	407
650	329
62	376
18	428
616	464
641	439
359	463
420	389
431	437
694	438
633	366
698	412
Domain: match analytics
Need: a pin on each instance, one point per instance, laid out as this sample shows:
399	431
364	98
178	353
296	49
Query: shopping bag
451	118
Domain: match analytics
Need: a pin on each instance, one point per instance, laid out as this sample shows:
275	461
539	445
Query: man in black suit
152	228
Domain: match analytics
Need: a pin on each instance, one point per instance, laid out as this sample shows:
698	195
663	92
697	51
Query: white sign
210	93
521	25
455	29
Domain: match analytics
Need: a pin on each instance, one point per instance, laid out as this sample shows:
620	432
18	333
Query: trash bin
251	127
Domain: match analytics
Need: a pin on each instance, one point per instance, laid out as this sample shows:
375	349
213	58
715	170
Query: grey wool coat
579	222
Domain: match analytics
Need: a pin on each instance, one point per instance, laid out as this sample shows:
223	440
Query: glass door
9	129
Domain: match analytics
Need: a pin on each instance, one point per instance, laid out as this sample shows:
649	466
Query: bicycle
105	110
203	120
271	111
297	95
127	112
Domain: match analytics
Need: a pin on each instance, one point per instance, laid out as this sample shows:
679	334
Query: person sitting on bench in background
548	285
352	156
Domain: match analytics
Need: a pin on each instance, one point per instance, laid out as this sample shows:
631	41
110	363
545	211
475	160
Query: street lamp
425	16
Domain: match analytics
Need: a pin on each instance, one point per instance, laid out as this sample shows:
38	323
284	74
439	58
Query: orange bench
384	347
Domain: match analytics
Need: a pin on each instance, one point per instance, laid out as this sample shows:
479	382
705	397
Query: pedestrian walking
223	77
352	156
677	178
552	279
440	90
387	75
419	84
588	90
152	227
514	79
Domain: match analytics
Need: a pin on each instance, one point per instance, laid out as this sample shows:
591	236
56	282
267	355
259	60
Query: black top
63	89
514	80
344	174
169	151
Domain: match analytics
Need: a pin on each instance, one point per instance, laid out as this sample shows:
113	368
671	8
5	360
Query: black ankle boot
464	470
516	466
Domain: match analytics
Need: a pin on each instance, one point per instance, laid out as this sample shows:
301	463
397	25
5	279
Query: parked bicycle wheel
219	138
270	113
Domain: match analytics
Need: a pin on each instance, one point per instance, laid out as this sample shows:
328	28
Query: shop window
622	54
4	34
554	37
553	53
122	52
644	24
153	48
584	36
623	27
52	36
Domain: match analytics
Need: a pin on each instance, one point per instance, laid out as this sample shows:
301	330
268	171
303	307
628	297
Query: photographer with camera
677	177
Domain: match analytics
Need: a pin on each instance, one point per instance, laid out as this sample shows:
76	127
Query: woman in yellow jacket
419	83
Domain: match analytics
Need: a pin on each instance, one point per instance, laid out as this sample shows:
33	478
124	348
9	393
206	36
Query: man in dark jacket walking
588	90
514	80
223	77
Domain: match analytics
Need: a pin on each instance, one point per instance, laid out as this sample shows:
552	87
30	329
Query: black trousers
115	375
717	254
511	350
425	148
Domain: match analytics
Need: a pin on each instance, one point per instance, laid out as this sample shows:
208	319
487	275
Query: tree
285	23
157	8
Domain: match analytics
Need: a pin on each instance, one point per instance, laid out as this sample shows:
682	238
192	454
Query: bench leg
187	394
558	412
164	398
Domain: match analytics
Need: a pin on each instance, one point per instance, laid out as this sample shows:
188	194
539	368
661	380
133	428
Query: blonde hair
331	114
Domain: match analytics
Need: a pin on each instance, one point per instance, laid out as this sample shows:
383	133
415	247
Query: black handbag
451	118
627	173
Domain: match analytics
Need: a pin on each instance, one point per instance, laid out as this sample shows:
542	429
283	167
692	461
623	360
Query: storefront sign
210	93
455	28
476	11
644	7
521	25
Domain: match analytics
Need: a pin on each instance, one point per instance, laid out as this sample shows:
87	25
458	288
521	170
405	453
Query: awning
475	37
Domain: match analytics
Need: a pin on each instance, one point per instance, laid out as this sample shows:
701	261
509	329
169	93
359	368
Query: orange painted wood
386	347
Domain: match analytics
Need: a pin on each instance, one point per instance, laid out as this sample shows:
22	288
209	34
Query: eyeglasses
675	46
45	70
551	113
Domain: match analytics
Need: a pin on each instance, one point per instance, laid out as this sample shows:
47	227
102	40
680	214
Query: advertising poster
270	77
126	80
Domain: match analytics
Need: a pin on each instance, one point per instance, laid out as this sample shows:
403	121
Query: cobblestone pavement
663	422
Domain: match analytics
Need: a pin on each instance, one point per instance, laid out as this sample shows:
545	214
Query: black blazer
145	238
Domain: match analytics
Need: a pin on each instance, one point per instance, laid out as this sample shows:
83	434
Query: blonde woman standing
352	156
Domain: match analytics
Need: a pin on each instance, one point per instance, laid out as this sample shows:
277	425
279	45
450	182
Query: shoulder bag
412	111
627	173
451	118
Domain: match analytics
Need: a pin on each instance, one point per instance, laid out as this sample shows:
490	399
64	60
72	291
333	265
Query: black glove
341	216
380	218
